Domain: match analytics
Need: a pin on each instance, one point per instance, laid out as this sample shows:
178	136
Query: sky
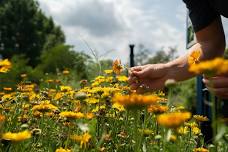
109	26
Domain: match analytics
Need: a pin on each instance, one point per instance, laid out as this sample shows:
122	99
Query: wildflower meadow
102	115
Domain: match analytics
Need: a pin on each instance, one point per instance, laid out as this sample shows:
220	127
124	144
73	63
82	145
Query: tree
162	56
19	66
63	57
24	29
142	55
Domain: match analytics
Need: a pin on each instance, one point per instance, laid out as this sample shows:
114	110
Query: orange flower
7	89
136	100
174	119
2	118
157	109
216	66
70	114
83	139
117	67
193	58
89	115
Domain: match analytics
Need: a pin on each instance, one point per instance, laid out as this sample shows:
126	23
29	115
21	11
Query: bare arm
211	42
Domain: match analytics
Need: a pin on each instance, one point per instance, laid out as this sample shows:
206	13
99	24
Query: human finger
220	92
133	79
133	69
139	74
134	86
217	82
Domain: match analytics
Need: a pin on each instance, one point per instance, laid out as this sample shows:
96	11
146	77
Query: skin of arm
211	42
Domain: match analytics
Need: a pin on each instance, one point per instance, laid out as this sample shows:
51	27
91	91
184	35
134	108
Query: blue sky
108	26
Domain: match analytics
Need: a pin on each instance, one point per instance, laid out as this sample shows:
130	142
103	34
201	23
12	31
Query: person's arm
211	42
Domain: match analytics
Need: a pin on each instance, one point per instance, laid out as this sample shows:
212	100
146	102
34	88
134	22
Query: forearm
178	68
211	43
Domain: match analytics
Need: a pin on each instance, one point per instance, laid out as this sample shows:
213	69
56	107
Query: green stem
214	122
137	135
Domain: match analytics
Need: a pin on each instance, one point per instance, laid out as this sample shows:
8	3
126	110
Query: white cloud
112	24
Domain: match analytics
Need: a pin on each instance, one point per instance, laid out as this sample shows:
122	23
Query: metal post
132	55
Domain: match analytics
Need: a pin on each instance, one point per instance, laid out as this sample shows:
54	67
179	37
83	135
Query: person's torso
221	6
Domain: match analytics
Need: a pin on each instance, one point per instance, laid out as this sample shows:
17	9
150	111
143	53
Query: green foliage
162	56
63	57
13	76
24	29
185	93
141	55
93	68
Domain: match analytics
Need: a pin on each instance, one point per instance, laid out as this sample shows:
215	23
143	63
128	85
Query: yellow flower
122	78
58	95
200	118
117	67
44	106
174	119
191	124
92	100
65	88
210	67
118	106
196	130
83	139
5	65
89	115
135	100
108	71
157	108
8	97
49	81
97	108
172	138
70	114
183	130
193	58
25	87
66	72
201	149
146	132
62	150
20	136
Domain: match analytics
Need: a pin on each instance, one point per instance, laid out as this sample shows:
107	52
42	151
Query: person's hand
148	77
217	85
